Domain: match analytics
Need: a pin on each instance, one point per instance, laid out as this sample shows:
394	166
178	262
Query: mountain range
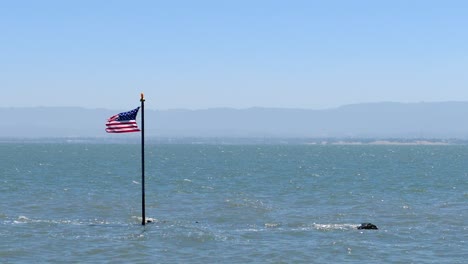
367	120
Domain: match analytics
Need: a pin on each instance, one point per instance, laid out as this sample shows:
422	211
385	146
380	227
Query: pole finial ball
142	96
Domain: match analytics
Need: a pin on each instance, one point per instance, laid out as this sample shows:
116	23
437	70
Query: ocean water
233	204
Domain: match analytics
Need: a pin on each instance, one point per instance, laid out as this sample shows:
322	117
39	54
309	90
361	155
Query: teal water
233	203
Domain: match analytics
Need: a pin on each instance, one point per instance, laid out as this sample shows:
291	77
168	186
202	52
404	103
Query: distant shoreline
396	143
242	141
397	123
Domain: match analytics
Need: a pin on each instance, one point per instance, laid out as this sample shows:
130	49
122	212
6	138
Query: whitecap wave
334	226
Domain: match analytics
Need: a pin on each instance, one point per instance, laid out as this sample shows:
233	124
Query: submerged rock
367	226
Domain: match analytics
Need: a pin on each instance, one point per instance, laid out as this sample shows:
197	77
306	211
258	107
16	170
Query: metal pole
142	100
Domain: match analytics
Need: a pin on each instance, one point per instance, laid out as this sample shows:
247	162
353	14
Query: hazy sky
203	54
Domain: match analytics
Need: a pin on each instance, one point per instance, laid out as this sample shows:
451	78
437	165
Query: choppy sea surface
233	203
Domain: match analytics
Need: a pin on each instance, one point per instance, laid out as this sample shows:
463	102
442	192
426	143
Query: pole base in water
147	221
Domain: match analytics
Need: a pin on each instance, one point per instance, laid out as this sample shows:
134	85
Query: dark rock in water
367	226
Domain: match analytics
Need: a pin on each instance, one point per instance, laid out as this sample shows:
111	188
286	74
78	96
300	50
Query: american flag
123	123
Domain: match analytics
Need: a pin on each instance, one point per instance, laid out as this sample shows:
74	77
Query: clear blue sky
203	54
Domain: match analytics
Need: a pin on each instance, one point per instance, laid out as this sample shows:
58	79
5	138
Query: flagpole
143	218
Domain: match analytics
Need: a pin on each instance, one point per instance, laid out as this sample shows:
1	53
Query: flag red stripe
121	124
122	130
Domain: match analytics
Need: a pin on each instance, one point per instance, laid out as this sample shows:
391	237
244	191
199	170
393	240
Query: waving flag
123	123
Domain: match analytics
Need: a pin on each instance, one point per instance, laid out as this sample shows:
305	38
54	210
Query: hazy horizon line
234	108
